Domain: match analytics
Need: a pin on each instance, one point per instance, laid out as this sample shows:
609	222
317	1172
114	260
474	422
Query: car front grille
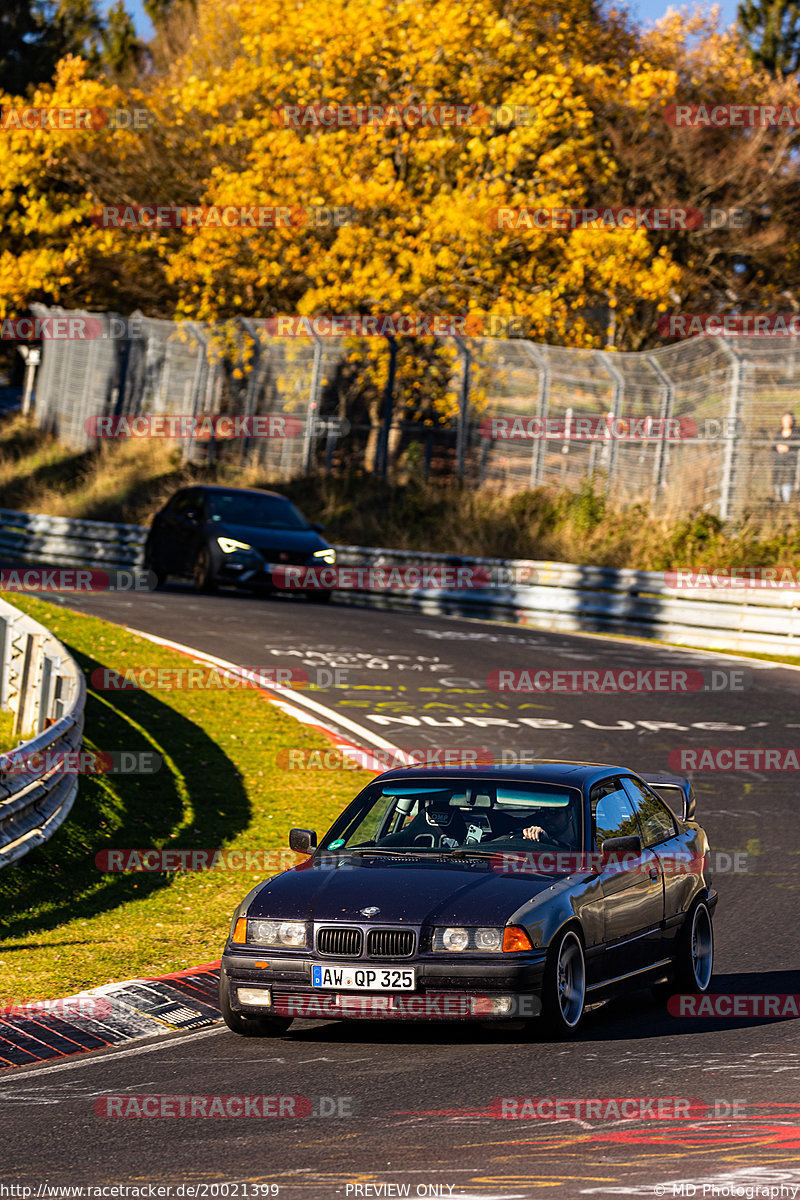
390	943
339	942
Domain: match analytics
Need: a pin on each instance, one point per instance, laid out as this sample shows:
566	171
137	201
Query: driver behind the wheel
556	826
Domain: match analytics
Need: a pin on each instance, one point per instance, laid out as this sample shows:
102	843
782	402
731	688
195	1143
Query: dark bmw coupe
482	893
233	536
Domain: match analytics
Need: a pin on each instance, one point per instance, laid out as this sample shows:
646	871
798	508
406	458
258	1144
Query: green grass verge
64	925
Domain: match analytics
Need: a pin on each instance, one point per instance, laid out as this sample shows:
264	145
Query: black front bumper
248	573
447	990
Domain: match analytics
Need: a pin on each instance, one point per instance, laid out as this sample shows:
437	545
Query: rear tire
695	962
564	986
248	1026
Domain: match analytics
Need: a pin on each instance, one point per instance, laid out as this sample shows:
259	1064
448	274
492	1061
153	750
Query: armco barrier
42	686
559	596
34	537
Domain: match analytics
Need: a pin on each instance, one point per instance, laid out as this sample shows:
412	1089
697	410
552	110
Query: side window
173	505
654	817
612	812
191	501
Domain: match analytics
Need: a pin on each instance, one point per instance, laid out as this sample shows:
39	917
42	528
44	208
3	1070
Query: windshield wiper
408	852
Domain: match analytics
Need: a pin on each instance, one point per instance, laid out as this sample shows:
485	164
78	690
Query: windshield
247	508
437	814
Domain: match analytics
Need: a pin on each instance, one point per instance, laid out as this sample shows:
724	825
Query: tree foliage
772	28
595	89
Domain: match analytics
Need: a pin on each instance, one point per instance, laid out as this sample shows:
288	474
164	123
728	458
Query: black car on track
479	893
234	536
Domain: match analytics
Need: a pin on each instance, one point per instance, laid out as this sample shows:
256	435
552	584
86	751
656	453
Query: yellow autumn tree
567	103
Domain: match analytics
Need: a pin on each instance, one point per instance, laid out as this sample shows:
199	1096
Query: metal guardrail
41	684
547	595
37	538
573	598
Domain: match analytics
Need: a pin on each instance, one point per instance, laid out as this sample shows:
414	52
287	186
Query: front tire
695	962
564	987
202	572
248	1026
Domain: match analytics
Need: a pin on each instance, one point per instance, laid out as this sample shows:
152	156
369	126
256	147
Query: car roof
216	487
546	770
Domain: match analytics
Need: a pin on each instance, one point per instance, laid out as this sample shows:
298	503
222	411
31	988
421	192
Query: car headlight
228	545
488	939
480	941
328	556
277	933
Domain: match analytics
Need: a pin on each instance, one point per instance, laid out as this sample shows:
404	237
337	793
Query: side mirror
317	528
302	840
622	845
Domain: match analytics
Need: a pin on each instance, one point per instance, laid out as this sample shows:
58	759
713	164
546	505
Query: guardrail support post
729	458
542	406
463	407
25	691
382	445
667	405
44	693
310	434
616	408
5	643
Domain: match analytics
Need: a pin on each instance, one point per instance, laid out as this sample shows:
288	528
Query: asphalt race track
419	1121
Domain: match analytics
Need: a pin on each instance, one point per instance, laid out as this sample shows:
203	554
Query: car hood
468	893
307	540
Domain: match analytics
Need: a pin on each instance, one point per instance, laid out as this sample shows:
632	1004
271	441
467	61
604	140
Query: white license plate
363	979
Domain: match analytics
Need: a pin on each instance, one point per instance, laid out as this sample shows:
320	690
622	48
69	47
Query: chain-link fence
693	426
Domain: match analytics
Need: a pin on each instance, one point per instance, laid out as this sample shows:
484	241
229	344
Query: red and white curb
105	1016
